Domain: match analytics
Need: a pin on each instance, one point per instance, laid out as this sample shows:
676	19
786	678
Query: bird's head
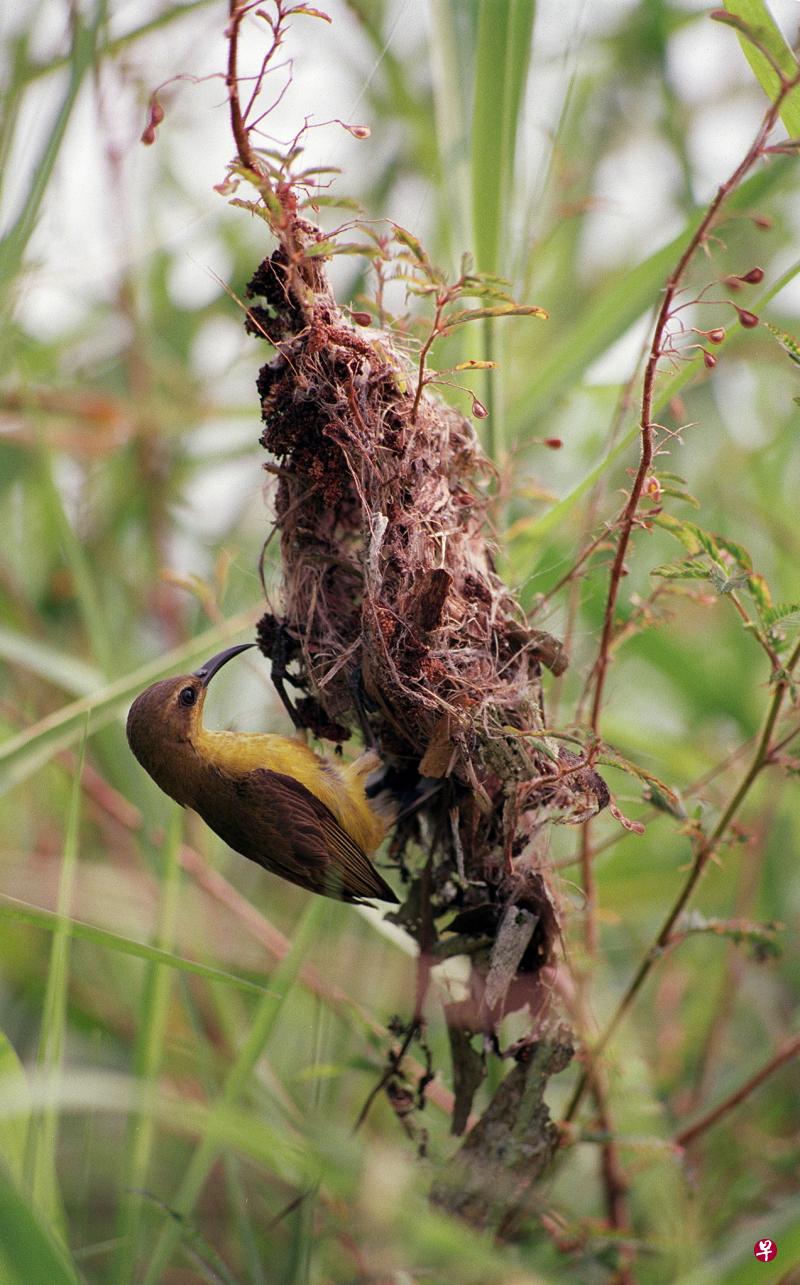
164	721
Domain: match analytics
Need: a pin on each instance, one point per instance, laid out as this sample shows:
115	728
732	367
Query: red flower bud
555	443
709	359
478	409
753	277
148	136
748	319
716	335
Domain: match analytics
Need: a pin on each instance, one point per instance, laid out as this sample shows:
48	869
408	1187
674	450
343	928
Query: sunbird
271	798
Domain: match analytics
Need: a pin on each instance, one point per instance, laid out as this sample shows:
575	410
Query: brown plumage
270	798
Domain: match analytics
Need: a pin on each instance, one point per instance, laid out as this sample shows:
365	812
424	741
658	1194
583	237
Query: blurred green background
186	1040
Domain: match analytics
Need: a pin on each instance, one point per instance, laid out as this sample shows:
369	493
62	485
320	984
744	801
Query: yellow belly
339	786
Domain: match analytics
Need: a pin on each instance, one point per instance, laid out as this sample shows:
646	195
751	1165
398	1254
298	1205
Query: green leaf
264	1020
668	799
690	569
787	342
669	802
13	1129
736	551
332	202
681	495
760	22
29	1253
502	310
254	207
41	167
697	540
759	592
149	1058
408	239
761	939
485	290
40	1160
20	912
502	63
786	613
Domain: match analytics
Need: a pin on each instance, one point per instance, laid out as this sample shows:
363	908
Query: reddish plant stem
423	354
615	1185
705	851
236	12
627	518
789	1050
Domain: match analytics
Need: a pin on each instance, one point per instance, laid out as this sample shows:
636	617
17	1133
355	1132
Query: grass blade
149	1058
14	244
43	1137
763	26
68	672
25	753
11	908
504	41
28	1251
266	1015
13	1132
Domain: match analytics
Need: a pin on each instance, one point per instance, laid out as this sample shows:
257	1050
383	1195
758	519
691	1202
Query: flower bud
748	319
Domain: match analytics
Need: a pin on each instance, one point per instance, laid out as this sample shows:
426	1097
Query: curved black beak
207	671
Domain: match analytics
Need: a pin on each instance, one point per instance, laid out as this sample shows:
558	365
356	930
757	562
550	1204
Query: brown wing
274	820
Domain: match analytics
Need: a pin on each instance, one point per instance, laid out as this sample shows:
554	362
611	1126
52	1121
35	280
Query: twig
441	303
703	855
785	1054
628	517
733	966
241	136
391	1069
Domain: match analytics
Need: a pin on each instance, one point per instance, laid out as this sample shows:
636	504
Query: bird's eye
187	696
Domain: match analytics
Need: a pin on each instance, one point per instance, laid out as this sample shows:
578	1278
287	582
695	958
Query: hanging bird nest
394	615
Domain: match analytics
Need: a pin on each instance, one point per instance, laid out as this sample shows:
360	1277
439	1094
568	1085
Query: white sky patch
737	398
634	208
